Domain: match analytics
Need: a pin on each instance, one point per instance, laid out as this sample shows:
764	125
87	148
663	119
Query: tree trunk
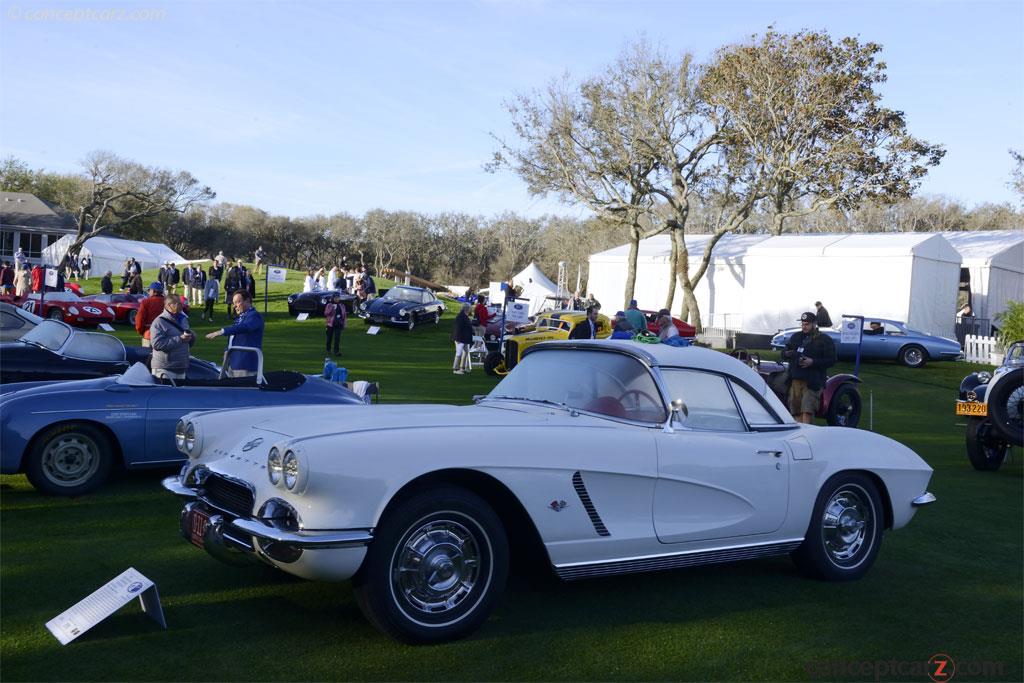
672	262
634	249
691	311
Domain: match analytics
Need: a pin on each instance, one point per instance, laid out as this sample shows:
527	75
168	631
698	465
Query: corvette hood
298	422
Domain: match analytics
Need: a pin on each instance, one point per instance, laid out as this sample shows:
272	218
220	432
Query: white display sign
51	277
302	316
106	328
517	312
276	274
111	597
850	331
373	329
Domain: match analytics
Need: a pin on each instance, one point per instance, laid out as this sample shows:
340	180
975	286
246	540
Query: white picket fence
978	349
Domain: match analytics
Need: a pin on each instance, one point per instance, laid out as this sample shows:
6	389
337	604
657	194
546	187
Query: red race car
685	329
68	307
125	306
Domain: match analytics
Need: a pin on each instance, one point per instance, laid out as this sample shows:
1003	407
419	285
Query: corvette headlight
291	470
190	438
179	436
275	466
73	310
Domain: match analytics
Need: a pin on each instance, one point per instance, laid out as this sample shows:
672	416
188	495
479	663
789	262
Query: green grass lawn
951	582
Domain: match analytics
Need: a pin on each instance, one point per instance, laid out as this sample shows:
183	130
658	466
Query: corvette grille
228	495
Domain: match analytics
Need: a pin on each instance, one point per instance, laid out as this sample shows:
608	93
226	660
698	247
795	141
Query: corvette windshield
402	294
612	384
49	334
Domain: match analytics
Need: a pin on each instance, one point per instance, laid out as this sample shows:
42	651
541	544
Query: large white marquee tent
760	284
719	293
110	253
913	277
995	260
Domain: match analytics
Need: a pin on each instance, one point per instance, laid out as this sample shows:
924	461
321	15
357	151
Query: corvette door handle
777	454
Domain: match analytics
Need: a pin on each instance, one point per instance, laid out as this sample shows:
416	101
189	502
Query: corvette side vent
595	519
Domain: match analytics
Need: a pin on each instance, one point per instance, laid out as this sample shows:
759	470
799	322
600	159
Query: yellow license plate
971	408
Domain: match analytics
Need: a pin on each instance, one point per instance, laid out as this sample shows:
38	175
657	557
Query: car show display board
100	604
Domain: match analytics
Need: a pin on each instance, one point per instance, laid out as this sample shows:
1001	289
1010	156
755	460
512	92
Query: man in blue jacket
247	331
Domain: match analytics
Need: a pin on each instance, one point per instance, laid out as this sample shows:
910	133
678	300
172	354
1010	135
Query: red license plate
198	520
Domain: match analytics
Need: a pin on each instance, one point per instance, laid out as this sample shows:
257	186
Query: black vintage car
314	302
404	306
54	350
993	403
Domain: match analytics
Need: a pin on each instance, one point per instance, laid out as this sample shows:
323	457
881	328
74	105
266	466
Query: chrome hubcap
913	357
846	525
70	459
437	567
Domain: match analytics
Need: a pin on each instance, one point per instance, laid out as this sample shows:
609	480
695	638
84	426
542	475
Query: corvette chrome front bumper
925	498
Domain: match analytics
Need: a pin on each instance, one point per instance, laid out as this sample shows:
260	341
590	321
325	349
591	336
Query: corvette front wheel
845	532
435	569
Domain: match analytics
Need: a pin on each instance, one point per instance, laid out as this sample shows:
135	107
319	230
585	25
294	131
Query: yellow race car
549	325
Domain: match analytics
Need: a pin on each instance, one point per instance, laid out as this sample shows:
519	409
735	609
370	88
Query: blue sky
319	107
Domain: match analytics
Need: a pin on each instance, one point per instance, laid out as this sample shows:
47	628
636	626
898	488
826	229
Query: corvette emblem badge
252	444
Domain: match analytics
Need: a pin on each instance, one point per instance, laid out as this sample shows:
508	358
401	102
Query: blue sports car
887	340
404	306
65	436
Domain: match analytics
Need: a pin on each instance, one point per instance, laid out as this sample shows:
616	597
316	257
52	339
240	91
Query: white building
994	260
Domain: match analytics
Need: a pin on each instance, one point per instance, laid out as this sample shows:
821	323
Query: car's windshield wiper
532	400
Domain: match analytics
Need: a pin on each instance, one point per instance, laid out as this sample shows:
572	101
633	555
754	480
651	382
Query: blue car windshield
49	334
403	294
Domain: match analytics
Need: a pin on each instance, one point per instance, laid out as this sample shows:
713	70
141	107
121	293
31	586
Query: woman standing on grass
462	335
211	292
336	317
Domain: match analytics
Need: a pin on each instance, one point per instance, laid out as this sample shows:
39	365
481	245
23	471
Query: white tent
995	260
535	286
912	277
110	253
719	293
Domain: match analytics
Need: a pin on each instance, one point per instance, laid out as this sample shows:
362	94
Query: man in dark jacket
588	328
822	317
462	335
247	331
106	286
809	353
234	281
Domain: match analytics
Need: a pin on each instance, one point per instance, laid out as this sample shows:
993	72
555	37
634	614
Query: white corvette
614	456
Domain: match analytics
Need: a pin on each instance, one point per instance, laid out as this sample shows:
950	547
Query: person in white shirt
309	284
666	328
332	278
320	281
220	259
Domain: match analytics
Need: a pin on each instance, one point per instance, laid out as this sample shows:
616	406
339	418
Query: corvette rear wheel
69	460
985	449
435	569
845	532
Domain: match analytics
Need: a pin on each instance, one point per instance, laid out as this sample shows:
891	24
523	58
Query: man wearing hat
636	317
622	328
809	353
150	309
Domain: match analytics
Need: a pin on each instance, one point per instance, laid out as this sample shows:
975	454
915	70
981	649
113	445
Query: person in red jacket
150	309
481	315
38	275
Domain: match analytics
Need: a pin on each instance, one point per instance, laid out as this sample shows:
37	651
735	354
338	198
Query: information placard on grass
373	329
100	604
